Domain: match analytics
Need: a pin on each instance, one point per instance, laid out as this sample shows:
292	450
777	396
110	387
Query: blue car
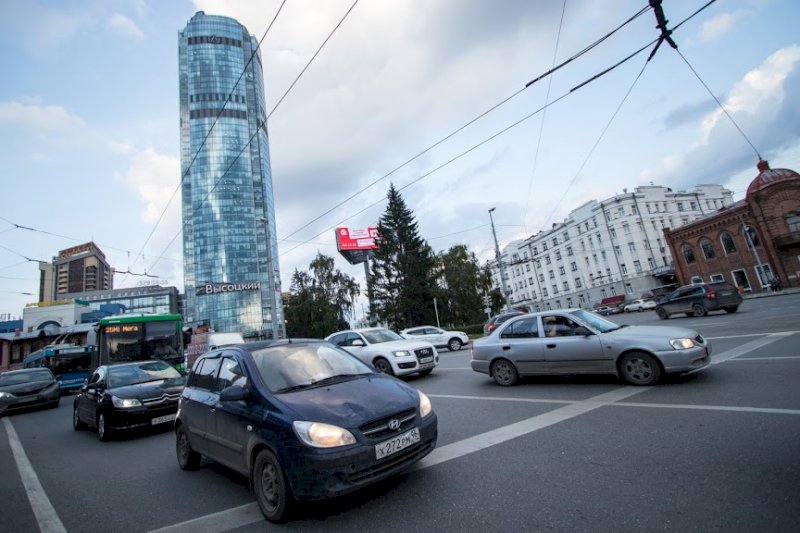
303	419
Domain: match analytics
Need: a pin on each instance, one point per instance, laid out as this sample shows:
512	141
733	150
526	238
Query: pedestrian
777	281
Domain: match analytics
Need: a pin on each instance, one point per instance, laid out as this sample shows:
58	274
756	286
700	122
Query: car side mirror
580	330
233	393
357	342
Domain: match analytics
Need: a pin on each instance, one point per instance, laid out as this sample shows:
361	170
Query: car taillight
710	293
491	328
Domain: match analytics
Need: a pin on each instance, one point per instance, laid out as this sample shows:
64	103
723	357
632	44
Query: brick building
749	243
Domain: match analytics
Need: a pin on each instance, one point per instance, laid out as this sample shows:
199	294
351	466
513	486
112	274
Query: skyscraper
230	248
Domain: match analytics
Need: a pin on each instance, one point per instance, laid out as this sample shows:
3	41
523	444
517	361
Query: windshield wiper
337	378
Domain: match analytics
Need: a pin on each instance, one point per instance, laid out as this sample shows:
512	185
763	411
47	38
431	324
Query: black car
496	320
29	387
303	419
128	396
699	299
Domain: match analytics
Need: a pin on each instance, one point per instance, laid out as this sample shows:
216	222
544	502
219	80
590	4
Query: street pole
752	246
436	310
500	265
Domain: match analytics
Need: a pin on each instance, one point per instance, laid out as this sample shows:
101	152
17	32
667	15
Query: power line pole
500	265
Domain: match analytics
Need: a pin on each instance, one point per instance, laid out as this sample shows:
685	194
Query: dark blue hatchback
303	419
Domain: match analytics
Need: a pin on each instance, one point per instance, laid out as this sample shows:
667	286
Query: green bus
139	337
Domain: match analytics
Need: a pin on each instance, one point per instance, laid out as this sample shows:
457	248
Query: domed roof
770	176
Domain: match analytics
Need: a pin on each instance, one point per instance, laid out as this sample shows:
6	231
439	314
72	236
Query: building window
558	255
793	221
708	248
728	245
680	206
561	270
752	237
637	265
555	241
717	278
688	254
551	274
573	266
623	268
578	283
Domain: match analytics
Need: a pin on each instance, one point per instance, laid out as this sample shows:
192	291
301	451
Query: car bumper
128	419
691	360
321	474
34	400
402	366
480	366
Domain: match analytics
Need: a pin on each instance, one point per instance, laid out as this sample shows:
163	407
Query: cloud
49	118
124	26
720	25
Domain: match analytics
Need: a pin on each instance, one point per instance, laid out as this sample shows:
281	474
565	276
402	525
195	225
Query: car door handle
551	345
506	347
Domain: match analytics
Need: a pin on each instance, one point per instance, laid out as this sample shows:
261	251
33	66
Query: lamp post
503	278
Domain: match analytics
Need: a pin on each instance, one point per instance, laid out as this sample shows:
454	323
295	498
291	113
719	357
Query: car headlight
425	406
319	435
682	344
401	353
125	403
6	395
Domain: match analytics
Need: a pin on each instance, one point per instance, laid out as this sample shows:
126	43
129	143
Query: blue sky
89	118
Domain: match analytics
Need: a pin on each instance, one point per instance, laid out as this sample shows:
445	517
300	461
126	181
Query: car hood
26	388
403	344
665	332
352	403
150	390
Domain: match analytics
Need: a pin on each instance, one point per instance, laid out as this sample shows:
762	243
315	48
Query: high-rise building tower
78	269
230	248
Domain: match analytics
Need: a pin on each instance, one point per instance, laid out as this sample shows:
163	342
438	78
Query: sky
89	138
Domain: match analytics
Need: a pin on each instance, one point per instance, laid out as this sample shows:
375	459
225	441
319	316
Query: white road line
42	508
712	408
748	347
498	398
752	335
775	358
216	522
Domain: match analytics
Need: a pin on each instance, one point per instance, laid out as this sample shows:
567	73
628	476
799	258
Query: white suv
387	351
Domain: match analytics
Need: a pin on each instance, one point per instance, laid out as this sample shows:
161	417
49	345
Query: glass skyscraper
230	248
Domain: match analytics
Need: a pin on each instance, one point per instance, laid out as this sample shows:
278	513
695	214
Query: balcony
787	240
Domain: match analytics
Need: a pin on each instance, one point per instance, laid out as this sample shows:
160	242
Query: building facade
750	243
605	252
77	269
230	248
142	300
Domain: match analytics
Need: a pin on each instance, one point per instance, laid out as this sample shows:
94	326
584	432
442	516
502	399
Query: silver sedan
576	341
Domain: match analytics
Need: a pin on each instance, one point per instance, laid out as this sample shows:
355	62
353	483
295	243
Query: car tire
639	368
188	459
731	309
454	344
627	310
383	366
662	314
103	431
504	372
699	310
272	490
77	423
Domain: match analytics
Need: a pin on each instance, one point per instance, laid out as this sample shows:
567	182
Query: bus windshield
141	337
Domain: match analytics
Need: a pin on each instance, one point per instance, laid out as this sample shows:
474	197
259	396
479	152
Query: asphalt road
718	450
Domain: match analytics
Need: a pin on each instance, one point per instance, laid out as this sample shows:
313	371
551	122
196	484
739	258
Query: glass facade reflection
230	247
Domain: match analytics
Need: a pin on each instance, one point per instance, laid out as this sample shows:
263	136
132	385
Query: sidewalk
766	293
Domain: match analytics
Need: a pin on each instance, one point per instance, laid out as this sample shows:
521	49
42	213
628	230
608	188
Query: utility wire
464	126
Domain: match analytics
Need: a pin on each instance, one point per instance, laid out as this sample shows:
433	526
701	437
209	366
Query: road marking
775	358
217	522
748	347
712	408
43	510
753	335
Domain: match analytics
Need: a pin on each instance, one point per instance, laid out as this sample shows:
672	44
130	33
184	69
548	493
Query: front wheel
504	372
271	487
662	314
383	366
103	431
77	423
639	368
455	345
731	309
188	459
699	310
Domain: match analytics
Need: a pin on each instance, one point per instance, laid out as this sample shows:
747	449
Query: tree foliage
320	301
462	283
401	285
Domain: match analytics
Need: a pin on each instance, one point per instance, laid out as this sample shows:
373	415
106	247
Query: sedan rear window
27	376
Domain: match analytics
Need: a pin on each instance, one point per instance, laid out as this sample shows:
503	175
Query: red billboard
356	239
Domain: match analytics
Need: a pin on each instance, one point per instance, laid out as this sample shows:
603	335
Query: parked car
606	310
576	341
128	396
452	340
30	387
387	351
640	305
496	320
699	300
303	419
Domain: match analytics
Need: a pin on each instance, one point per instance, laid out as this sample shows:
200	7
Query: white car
640	305
453	340
387	351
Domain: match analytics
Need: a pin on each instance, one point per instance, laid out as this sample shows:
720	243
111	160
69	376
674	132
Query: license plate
424	360
396	444
162	419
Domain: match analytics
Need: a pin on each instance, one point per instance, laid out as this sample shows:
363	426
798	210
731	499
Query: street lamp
503	278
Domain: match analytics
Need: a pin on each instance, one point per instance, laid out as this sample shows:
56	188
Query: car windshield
27	376
597	322
293	366
124	375
377	336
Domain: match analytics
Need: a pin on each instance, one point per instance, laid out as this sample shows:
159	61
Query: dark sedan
128	396
303	419
20	389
